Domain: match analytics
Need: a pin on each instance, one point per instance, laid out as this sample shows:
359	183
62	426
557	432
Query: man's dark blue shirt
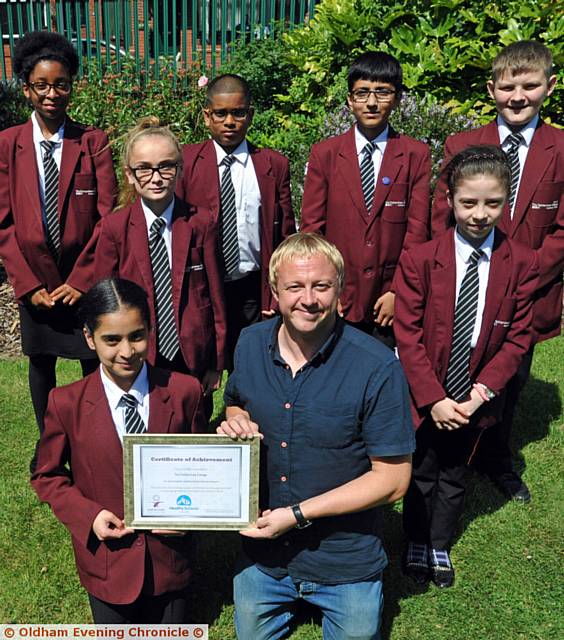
349	402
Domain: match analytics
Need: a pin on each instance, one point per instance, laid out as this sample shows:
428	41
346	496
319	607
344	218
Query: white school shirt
527	132
57	154
139	390
247	202
150	217
463	251
379	148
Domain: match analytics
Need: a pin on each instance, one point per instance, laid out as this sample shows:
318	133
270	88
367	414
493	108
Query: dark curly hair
43	45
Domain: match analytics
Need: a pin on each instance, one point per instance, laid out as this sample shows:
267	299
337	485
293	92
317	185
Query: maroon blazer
87	190
538	219
197	285
371	241
79	430
199	185
424	320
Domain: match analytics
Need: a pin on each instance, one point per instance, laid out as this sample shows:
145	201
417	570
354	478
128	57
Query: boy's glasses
41	88
167	171
381	95
220	115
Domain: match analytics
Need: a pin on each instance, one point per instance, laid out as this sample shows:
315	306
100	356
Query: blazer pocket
395	205
93	561
545	203
195	269
503	320
85	193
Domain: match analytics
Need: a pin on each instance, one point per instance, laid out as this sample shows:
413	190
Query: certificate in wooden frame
190	481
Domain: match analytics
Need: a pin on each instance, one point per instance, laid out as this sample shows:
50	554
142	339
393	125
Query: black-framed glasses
381	95
166	171
42	88
220	115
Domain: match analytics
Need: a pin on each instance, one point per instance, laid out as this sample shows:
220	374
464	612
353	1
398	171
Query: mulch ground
10	346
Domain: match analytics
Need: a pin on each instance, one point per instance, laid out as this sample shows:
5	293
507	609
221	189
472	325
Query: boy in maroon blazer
463	324
248	192
367	191
522	79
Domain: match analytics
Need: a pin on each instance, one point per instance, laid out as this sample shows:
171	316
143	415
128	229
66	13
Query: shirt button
369	243
283	478
287	406
286	543
283	445
368	272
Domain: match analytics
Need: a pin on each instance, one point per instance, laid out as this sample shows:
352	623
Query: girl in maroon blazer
170	249
131	577
56	180
463	323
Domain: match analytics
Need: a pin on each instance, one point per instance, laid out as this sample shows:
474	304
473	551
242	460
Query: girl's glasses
167	171
41	88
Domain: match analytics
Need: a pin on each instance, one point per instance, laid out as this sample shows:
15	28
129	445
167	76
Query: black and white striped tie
229	239
167	336
367	174
51	174
515	140
133	420
458	373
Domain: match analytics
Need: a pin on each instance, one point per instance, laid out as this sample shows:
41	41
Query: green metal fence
182	31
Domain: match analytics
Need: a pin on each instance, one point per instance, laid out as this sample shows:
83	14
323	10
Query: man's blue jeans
264	606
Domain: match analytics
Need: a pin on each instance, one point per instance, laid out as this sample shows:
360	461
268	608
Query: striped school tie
51	173
133	420
458	373
229	239
515	140
367	174
167	336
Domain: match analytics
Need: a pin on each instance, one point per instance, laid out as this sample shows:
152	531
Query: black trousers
242	300
168	608
434	501
493	456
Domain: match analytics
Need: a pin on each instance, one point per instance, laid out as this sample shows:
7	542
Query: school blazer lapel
181	238
539	157
267	187
69	160
498	281
389	169
26	163
160	404
207	177
140	240
106	449
443	286
348	168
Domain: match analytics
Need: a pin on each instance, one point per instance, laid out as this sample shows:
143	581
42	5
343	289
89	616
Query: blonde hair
522	56
146	126
305	245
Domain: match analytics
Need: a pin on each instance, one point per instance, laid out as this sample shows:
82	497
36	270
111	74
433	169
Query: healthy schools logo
184	501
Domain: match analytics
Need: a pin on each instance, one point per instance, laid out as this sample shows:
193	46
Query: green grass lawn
508	558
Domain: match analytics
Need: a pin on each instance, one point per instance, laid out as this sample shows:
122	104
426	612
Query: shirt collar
241	153
360	139
56	138
527	131
324	351
464	249
166	214
139	389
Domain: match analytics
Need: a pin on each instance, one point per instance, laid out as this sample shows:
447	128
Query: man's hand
211	381
471	405
448	414
384	309
239	426
271	524
67	294
268	313
41	299
107	526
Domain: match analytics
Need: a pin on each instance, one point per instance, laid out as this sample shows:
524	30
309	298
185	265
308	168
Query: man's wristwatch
490	395
302	523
